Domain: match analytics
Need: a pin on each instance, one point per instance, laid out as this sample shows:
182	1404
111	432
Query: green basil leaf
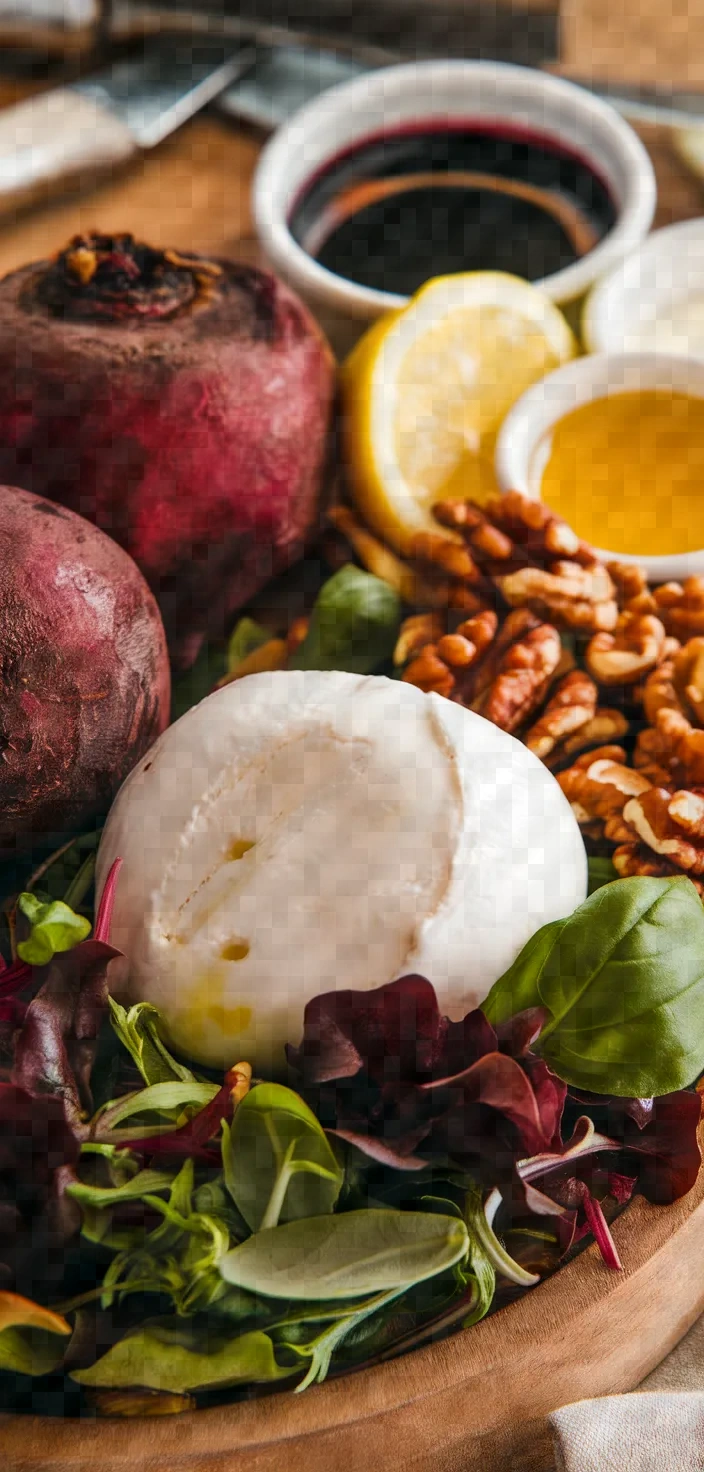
622	981
516	990
346	1256
52	927
353	625
244	639
152	1359
278	1162
138	1031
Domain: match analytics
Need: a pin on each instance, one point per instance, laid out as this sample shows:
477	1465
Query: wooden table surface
193	192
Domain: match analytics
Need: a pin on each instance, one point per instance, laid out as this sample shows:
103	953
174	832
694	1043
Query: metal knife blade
284	77
171	79
71	133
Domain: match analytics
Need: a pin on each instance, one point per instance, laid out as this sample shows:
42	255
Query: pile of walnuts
601	676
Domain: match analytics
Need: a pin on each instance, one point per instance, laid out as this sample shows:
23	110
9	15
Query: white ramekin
666	269
522	446
433	92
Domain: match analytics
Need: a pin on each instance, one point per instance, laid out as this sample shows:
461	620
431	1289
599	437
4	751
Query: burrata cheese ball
304	831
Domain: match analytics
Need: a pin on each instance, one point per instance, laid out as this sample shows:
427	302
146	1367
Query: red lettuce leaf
621	1187
55	1047
14	978
394	1032
500	1083
381	1152
38	1156
665	1155
386	1066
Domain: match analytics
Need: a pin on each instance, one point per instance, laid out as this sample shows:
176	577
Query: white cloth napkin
659	1428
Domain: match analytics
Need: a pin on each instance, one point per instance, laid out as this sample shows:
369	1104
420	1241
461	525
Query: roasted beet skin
184	405
84	669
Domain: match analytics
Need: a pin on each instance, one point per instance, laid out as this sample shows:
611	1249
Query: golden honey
627	471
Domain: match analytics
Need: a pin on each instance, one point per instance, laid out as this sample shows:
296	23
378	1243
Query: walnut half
535	560
636	647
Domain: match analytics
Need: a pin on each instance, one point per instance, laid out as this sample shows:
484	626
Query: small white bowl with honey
614	443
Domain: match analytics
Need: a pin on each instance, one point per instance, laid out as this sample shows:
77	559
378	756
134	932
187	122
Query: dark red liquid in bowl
398	209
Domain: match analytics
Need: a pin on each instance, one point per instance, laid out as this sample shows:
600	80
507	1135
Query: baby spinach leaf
353	625
46	928
138	1031
278	1162
622	981
152	1358
345	1256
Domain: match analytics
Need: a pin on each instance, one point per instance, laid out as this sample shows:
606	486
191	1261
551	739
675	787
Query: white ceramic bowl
667	271
523	446
433	92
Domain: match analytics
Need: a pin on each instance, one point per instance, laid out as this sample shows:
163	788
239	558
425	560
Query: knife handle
55	139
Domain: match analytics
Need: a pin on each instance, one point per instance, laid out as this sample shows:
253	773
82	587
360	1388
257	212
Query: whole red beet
84	670
181	404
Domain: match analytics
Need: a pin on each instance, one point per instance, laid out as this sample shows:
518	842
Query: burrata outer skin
299	832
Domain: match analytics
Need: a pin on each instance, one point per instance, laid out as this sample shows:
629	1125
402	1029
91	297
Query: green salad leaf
179	1256
52	927
279	1164
319	1347
347	1256
32	1338
622	983
169	1098
600	871
158	1360
138	1031
146	1181
488	1255
30	1351
244	639
353	626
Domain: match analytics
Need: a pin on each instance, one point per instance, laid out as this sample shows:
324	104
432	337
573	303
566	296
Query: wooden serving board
476	1402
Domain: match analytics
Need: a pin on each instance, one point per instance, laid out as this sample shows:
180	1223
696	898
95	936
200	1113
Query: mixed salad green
167	1232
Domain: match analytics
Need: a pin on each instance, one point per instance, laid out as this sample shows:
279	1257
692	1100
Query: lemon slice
426	389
